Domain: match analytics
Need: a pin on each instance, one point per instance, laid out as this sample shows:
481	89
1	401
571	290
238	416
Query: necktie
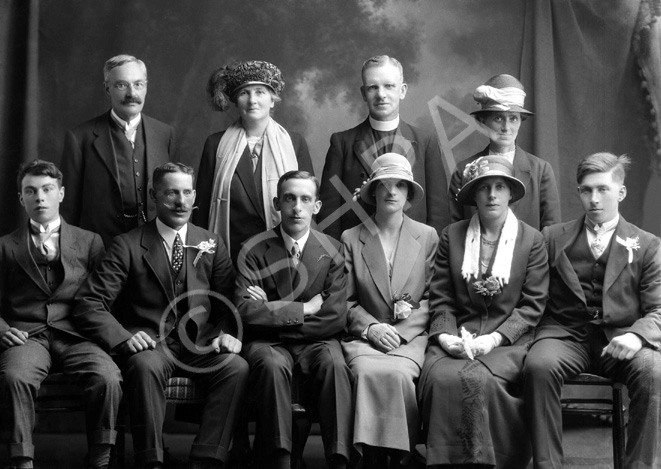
177	254
295	253
598	246
130	131
42	236
254	155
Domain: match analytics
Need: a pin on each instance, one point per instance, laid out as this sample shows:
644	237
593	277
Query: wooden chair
613	406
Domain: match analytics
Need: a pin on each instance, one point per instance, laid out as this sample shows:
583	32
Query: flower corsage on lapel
205	247
490	286
630	244
403	306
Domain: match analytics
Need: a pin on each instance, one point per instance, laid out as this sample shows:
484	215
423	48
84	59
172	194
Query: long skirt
386	408
471	416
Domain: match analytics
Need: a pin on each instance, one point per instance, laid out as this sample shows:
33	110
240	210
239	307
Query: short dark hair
168	168
296	174
482	116
409	184
38	167
603	162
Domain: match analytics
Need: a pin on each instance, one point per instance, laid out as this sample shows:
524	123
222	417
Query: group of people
401	310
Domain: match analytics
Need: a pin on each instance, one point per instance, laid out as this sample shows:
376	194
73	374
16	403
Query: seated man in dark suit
162	281
42	265
603	316
290	292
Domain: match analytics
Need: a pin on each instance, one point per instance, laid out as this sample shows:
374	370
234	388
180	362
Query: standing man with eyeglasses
107	160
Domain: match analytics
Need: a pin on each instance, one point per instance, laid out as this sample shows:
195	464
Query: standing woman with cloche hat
388	262
487	294
240	167
501	113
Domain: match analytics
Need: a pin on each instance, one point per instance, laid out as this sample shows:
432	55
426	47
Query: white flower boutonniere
205	247
629	244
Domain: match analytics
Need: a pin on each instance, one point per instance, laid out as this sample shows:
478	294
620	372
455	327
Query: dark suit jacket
346	160
514	312
93	196
26	301
370	291
632	291
321	270
246	206
541	205
136	273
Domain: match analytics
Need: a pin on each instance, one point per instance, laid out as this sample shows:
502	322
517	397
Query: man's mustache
131	100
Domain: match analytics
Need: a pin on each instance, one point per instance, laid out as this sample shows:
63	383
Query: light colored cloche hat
225	82
484	167
391	166
501	93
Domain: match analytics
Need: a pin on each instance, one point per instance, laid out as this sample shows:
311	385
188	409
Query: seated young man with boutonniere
168	285
488	292
603	316
290	292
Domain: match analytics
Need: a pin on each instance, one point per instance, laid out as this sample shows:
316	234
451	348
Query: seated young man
290	292
603	315
42	265
161	280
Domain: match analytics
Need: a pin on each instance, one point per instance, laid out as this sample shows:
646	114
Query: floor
587	445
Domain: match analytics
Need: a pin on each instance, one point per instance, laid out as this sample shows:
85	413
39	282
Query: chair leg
618	427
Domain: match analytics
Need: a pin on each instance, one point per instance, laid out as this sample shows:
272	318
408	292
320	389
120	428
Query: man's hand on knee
226	343
138	343
623	347
13	337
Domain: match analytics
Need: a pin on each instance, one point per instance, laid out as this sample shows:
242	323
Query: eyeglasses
123	85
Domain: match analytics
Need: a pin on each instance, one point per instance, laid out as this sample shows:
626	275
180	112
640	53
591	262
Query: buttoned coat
370	291
280	319
631	293
350	159
514	312
136	274
93	195
26	301
540	206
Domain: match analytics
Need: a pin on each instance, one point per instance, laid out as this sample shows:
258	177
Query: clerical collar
132	124
384	126
168	234
604	227
47	227
289	241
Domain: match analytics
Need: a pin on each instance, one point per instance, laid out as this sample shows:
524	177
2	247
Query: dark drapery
581	62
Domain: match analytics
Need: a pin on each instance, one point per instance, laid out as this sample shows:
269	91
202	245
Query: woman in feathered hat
487	294
501	113
388	262
240	167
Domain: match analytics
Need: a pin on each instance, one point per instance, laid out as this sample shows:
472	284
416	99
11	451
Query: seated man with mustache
167	283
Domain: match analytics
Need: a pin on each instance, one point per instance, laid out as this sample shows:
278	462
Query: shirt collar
606	227
49	227
132	124
384	126
289	241
168	234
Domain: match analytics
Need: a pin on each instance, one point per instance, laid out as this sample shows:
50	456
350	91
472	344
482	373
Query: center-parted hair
604	162
38	168
169	168
297	174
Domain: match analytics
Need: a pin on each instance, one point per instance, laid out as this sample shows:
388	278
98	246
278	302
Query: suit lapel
199	314
619	255
522	170
103	145
21	239
156	259
406	255
405	140
562	263
363	147
68	251
245	174
278	264
312	255
152	137
375	260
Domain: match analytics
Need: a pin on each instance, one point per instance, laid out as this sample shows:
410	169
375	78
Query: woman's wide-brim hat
484	167
391	166
225	82
501	93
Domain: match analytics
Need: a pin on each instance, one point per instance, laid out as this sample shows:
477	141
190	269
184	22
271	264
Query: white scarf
278	157
504	252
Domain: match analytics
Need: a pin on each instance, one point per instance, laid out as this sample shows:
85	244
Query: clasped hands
383	337
478	346
141	341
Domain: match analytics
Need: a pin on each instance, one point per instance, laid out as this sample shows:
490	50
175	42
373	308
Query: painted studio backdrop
591	69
